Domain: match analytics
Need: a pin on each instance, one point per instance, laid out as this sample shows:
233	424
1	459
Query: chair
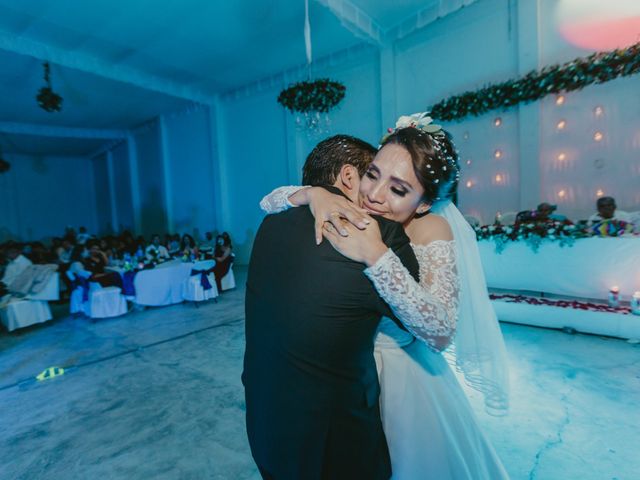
508	218
229	280
197	289
95	301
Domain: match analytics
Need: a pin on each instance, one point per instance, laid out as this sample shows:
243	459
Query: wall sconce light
468	162
469	184
598	136
498	178
562	194
598	111
599	193
560	100
561	124
562	157
497	122
498	154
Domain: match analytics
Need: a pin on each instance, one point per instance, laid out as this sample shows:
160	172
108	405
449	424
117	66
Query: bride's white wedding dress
431	430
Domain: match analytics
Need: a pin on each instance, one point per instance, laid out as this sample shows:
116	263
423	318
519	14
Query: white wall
40	196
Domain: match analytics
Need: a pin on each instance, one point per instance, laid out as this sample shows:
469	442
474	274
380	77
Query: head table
586	269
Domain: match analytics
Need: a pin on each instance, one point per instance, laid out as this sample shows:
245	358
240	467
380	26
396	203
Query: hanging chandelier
48	100
311	100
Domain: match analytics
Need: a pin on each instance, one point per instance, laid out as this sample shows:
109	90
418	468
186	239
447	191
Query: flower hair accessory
421	120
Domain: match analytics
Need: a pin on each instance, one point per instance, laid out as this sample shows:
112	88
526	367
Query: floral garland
534	234
312	96
575	304
600	67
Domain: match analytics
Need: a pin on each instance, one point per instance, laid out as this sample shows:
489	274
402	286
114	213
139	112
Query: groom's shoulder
391	230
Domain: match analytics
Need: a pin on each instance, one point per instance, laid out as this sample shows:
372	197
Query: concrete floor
157	394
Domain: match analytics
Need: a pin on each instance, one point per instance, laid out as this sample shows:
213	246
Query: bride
430	427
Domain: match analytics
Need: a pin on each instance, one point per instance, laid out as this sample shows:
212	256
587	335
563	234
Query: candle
614	297
635	303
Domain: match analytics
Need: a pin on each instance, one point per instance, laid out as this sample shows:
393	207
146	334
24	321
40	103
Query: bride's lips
371	210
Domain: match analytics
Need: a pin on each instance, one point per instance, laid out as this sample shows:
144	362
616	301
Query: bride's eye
399	191
370	174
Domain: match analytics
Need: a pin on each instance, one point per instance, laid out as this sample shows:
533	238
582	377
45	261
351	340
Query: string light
599	193
498	154
561	124
469	162
598	136
497	122
561	157
465	135
598	111
469	184
560	100
562	193
498	178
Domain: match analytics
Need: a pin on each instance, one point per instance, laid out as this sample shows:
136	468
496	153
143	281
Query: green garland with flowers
319	95
535	234
600	67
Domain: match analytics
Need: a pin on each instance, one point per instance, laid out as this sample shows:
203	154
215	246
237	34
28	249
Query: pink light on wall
599	25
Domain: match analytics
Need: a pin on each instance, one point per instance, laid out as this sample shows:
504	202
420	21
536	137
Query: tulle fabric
478	349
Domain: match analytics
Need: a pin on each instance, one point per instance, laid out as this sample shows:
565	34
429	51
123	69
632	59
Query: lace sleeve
278	200
429	308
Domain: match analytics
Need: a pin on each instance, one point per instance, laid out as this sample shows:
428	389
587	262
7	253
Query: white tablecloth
22	313
588	269
163	285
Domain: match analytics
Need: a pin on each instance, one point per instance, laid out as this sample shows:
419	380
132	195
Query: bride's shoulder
429	228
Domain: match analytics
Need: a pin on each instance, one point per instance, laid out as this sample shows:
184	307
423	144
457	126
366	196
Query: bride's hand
364	246
330	207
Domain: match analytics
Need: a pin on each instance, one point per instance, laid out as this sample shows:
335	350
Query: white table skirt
588	269
22	313
163	285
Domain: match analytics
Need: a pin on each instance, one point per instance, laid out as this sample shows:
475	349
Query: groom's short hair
327	158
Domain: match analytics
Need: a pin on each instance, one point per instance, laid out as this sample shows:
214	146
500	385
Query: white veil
478	349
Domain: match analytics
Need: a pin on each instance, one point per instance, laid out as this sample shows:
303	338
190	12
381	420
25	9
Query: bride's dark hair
435	160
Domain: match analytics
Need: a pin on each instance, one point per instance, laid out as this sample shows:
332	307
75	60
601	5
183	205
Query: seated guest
17	264
223	257
156	251
188	246
96	263
607	211
79	254
174	245
542	214
82	236
63	252
208	245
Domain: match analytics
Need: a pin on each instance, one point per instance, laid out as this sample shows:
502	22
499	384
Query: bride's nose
376	194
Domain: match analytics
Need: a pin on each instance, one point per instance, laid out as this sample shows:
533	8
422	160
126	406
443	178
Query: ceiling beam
356	20
425	16
94	65
60	132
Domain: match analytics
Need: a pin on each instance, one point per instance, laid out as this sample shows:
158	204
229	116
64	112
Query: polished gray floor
157	394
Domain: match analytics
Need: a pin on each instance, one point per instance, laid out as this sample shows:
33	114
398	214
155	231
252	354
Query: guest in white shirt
83	236
607	211
17	264
157	251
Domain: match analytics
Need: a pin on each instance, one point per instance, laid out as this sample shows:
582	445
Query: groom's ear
349	177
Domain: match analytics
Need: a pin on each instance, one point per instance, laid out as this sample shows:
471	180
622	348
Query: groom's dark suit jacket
310	378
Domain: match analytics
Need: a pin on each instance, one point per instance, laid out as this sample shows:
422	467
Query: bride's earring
423	208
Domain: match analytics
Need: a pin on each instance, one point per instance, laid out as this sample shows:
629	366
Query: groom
311	385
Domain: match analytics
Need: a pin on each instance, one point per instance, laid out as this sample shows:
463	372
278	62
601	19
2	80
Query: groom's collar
336	190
